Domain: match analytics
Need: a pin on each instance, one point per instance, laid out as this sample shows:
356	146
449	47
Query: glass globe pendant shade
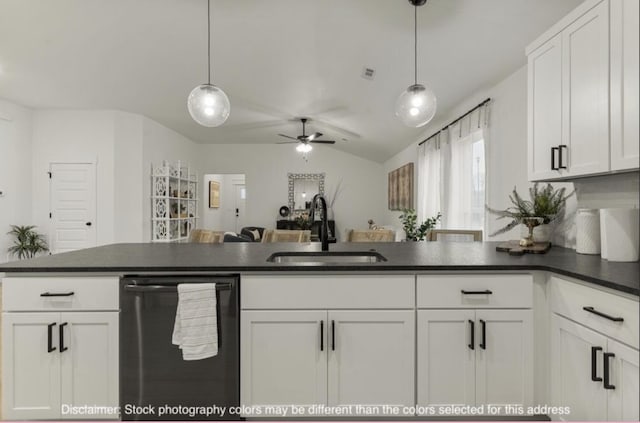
208	105
416	106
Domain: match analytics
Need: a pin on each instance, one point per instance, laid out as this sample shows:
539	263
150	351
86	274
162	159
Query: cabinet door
88	349
446	362
283	359
371	357
544	109
585	85
625	106
622	402
571	370
30	373
504	357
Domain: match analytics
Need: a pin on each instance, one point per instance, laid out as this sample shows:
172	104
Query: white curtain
429	194
452	169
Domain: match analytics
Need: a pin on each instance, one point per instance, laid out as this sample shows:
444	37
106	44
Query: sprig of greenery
414	232
546	203
27	242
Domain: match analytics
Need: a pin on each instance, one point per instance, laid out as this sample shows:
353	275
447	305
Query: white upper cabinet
624	84
583	93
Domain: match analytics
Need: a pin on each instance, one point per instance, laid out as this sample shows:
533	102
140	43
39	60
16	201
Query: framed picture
401	188
214	194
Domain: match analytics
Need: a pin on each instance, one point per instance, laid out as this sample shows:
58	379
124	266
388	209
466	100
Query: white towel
196	327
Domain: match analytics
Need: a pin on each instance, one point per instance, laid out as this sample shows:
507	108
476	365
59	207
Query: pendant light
417	105
208	105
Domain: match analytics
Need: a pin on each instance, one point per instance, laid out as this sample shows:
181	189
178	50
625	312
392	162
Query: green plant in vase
545	205
414	232
27	242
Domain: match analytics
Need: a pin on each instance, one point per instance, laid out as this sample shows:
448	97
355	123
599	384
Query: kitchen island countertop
401	257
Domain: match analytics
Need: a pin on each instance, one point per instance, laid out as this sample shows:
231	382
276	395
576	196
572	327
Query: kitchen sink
331	257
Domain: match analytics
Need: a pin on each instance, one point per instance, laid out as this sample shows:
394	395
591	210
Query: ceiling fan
304	141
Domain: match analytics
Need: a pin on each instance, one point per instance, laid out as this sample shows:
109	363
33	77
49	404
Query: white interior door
241	196
73	206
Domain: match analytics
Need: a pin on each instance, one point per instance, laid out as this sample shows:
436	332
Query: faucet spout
324	228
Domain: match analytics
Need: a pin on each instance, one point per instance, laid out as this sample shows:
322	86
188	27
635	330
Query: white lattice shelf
174	201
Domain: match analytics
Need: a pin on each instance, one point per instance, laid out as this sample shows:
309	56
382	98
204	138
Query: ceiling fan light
304	148
416	106
208	105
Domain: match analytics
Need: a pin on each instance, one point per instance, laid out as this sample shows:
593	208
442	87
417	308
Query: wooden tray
514	248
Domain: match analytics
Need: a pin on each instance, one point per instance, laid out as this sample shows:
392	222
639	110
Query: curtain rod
457	120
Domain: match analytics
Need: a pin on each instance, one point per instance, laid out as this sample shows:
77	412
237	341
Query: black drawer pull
50	347
62	347
560	165
333	335
553	158
472	335
606	357
321	335
57	294
594	359
483	344
601	314
485	292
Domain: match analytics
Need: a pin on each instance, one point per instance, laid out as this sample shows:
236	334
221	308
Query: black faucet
324	228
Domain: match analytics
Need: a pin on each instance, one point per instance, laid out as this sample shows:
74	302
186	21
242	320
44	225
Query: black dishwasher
155	382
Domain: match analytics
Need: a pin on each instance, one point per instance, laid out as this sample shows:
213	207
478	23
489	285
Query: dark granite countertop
403	256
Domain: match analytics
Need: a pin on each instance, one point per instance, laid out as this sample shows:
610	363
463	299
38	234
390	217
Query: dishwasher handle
225	286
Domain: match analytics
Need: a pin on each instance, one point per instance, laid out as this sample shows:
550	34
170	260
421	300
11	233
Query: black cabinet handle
553	158
483	344
485	292
57	294
601	314
50	347
321	335
606	357
560	165
333	335
472	335
594	358
62	347
88	223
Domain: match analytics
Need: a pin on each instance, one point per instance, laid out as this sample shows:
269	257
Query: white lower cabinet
580	381
320	357
475	358
53	362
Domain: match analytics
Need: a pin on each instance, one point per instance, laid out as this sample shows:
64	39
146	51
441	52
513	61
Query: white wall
222	218
363	188
15	171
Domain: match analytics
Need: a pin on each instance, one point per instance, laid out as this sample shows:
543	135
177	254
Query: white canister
621	234
588	231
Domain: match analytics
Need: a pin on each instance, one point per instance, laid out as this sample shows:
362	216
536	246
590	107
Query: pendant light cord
209	41
415	44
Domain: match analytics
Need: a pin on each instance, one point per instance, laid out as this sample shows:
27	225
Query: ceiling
275	59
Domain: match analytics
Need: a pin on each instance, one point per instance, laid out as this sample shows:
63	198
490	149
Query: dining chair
285	235
371	235
206	236
457	235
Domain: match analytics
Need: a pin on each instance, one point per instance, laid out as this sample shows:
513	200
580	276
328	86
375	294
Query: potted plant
410	225
545	206
27	242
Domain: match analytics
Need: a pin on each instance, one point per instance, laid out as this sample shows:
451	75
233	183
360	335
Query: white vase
541	233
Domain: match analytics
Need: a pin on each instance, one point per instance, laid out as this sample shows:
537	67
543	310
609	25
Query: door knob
88	223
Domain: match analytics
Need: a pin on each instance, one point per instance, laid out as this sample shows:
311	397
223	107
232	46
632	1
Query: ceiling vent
368	73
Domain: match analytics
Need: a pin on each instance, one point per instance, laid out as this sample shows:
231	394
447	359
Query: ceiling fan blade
323	142
314	136
288	142
287	136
